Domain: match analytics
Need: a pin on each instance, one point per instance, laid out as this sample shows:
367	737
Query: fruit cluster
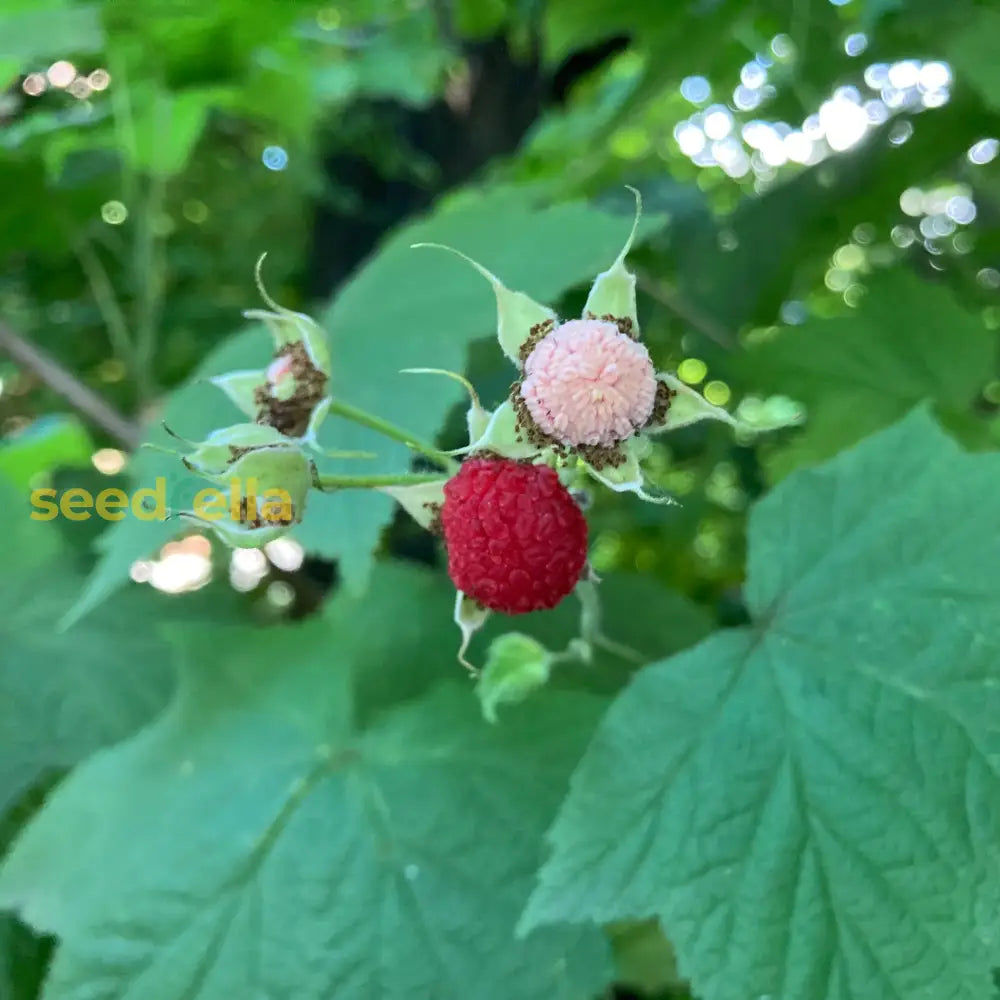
585	402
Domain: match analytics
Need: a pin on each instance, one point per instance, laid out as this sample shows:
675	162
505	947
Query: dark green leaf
258	838
908	341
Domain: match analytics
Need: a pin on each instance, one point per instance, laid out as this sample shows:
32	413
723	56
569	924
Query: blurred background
820	249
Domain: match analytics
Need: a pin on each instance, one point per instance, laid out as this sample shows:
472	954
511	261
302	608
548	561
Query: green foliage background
278	783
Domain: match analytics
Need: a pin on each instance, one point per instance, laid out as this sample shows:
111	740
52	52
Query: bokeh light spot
696	89
34	84
717	393
692	370
274	158
109	461
61	73
114	213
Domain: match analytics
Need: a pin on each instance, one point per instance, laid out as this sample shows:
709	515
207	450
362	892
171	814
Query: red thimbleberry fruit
516	539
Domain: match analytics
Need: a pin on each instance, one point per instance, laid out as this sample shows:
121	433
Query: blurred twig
107	302
686	311
67	385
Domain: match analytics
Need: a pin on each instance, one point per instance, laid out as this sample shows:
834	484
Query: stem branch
64	382
366	419
332	483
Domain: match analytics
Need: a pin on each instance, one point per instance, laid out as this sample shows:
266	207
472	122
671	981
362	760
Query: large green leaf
64	695
53	30
810	803
909	341
406	308
267	837
974	53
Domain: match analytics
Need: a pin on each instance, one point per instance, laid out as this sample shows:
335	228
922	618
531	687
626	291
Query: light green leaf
809	804
50	31
260	839
908	341
50	442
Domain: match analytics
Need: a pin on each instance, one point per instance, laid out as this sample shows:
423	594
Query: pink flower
587	383
587	394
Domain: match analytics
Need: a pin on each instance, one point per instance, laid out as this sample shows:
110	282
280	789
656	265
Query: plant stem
329	484
150	281
69	386
107	302
369	420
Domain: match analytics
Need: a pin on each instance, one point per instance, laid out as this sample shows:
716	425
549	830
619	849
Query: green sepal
613	290
517	313
502	437
688	407
288	327
477	418
241	387
316	418
422	501
516	665
272	481
215	455
628	477
470	616
236	535
283	467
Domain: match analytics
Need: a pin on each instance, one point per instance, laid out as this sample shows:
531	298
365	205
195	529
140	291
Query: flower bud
266	480
216	454
291	393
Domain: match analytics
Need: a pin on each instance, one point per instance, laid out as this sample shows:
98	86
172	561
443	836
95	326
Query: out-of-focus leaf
36	32
908	341
50	441
743	268
167	127
23	960
973	52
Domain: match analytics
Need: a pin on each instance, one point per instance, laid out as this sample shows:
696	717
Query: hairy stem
366	419
332	483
